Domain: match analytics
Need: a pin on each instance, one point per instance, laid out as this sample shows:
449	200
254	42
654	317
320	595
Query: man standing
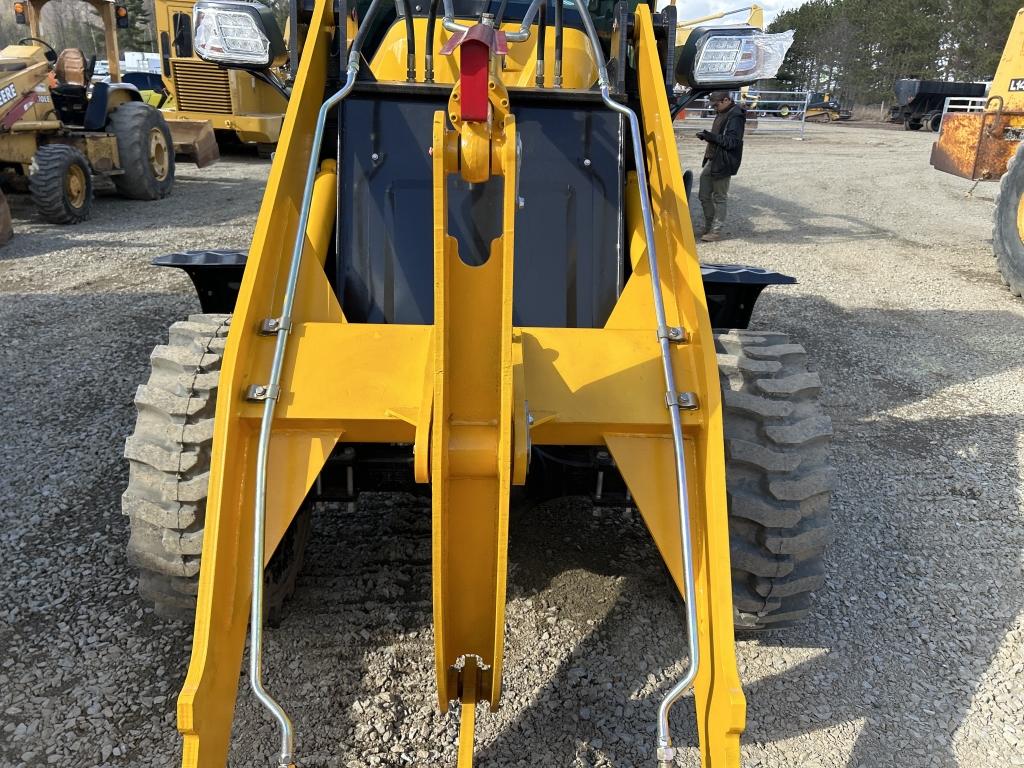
721	161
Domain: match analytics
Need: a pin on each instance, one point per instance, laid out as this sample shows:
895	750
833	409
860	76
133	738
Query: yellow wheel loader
473	271
986	145
57	132
248	105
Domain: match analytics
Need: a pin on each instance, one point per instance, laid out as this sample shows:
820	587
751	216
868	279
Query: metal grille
201	87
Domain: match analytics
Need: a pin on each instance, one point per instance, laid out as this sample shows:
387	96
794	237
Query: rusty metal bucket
194	141
978	145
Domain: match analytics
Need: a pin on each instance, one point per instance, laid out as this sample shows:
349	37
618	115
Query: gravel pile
913	656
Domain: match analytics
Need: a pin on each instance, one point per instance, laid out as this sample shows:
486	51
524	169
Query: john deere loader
57	131
474	250
986	145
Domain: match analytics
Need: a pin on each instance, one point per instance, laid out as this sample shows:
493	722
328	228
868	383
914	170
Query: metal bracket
673	333
686	401
259	392
271	325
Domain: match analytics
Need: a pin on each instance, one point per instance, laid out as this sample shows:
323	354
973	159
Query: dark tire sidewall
50	167
132	124
1006	237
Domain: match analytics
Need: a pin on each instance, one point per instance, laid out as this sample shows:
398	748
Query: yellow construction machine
473	271
248	105
986	145
57	131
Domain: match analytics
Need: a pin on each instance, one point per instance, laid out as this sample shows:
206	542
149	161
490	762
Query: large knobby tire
145	149
1007	237
60	182
779	477
169	470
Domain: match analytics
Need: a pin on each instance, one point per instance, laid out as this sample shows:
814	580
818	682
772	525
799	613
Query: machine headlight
236	33
730	56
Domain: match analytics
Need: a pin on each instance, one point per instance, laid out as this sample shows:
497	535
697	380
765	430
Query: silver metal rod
666	753
287	754
449	23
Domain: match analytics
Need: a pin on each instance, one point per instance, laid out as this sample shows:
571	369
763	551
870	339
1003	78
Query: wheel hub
159	154
75	186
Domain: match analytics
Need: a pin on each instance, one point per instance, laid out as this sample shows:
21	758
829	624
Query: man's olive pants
714	196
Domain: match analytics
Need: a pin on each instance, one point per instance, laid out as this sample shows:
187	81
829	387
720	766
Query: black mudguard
731	289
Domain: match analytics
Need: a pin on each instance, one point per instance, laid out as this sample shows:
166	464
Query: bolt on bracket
672	333
259	392
269	326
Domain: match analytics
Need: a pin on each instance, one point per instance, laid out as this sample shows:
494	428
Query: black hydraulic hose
428	58
500	14
542	26
364	29
558	43
410	42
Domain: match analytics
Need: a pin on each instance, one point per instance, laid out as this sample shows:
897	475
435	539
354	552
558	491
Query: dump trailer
985	145
920	102
473	271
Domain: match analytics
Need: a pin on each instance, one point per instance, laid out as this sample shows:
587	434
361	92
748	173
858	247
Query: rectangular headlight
731	56
227	36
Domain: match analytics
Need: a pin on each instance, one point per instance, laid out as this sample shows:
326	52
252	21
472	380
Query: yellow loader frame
471	432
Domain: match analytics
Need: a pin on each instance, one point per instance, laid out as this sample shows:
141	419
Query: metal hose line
665	750
287	752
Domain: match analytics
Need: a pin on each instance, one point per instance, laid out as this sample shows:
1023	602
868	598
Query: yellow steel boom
472	391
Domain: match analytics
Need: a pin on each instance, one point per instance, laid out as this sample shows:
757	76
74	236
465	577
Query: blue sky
691	9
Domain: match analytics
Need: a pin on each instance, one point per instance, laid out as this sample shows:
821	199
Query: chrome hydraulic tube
523	33
271	392
665	752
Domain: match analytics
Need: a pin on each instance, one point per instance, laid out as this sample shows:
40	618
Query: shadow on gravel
599	705
924	582
925	573
792	223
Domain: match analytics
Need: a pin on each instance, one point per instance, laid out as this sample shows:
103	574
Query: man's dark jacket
725	142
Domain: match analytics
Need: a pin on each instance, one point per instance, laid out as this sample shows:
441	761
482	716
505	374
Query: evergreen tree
138	36
857	48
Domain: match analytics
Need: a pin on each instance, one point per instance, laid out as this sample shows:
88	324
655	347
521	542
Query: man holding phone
721	161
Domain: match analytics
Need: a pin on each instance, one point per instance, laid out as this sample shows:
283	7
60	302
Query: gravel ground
913	656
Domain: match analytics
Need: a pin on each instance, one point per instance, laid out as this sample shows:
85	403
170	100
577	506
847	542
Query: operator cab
71	94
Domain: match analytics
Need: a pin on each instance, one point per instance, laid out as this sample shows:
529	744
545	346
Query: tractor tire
169	468
779	477
1007	237
145	149
60	182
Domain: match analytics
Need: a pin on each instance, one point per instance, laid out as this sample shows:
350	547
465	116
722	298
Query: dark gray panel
568	232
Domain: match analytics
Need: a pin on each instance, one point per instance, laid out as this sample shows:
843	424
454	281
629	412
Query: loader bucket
195	141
